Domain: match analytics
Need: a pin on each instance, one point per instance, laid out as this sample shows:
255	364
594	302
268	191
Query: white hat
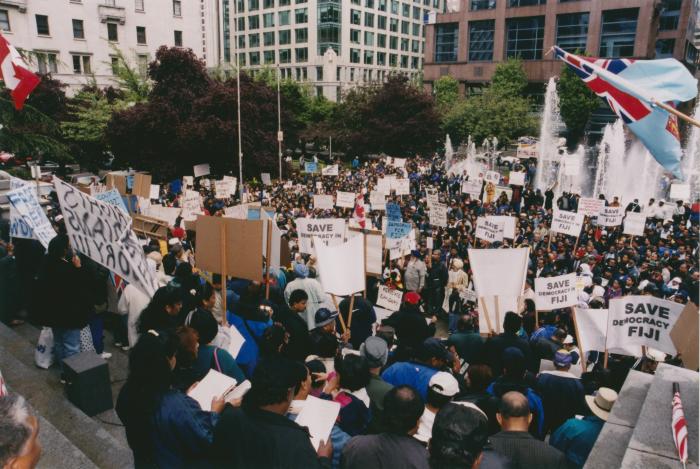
568	340
601	404
444	384
173	241
656	355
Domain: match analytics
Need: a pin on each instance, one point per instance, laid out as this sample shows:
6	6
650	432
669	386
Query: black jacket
494	347
65	301
526	451
299	346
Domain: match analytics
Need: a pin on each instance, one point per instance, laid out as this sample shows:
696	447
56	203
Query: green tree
576	104
128	79
446	91
509	78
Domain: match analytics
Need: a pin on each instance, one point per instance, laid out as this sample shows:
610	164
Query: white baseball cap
444	383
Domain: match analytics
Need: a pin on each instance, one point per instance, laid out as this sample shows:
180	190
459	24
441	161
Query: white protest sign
472	188
527	150
592	325
265	178
342	267
403	187
345	199
237	211
167	214
590	206
25	207
331	170
224	189
201	170
429	243
489	230
438	215
568	223
680	192
397	162
507	222
499	272
384	185
634	224
377	200
155	191
642	320
389	298
103	233
493	177
516	178
555	292
112	197
324	202
374	253
432	197
327	231
318	416
190	202
319	185
610	216
493	311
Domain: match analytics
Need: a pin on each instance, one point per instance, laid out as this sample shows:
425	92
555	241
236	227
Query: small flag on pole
16	74
359	212
678	424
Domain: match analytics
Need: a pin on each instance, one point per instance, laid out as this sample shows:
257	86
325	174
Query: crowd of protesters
420	388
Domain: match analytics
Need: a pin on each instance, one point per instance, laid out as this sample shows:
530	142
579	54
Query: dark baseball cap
324	316
434	348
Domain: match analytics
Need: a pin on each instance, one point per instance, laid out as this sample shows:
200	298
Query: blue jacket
562	397
252	331
226	364
576	437
410	373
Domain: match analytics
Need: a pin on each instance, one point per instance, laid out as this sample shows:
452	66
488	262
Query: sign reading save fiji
642	320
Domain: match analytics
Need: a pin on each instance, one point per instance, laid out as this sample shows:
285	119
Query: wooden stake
222	232
605	359
364	241
486	314
498	315
352	304
267	263
340	316
676	112
578	340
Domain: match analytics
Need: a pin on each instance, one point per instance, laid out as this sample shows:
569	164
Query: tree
446	90
576	104
509	78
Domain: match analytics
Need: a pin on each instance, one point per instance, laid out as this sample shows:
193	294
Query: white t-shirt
425	426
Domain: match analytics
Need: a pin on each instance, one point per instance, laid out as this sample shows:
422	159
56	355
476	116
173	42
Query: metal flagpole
279	123
238	101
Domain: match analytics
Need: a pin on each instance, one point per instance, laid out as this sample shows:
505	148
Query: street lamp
280	136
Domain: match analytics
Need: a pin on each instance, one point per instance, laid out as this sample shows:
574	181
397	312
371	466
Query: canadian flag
16	74
359	212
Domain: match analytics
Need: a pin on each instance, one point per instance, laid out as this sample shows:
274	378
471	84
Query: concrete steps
70	438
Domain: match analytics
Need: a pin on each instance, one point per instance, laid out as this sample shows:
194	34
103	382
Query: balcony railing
20	4
109	12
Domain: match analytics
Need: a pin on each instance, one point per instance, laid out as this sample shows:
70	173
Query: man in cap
442	387
414	277
516	442
562	393
375	351
576	437
316	297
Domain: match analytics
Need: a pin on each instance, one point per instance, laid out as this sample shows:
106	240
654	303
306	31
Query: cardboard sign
116	181
384	185
327	231
499	272
389	298
684	335
634	224
155	192
393	211
432	197
29	217
150	227
167	214
590	206
516	178
680	192
610	216
201	170
345	199
472	188
103	233
112	197
324	202
342	267
397	229
310	167
438	215
377	200
191	205
403	187
142	185
642	320
331	170
507	223
568	223
265	178
493	177
225	188
242	250
555	292
488	230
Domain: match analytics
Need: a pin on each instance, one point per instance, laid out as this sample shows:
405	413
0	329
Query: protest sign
318	416
489	230
342	267
389	298
328	231
468	294
319	185
568	223
634	224
324	202
643	321
384	185
103	233
167	214
393	211
345	199
684	335
265	178
190	202
516	178
310	167
492	311
377	200
526	150
116	181
397	229
403	187
610	216
331	170
225	188
472	188
201	170
680	192
29	217
237	211
432	197
112	197
555	292
493	177
397	162
499	271
142	185
507	222
590	206
154	192
438	215
504	190
429	243
374	254
592	325
18	226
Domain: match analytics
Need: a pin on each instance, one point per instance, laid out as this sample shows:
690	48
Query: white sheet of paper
318	415
214	384
237	341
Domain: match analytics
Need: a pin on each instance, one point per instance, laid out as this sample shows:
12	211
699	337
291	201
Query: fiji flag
632	88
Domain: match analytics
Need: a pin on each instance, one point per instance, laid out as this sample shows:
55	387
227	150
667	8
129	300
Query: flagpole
676	112
279	122
238	102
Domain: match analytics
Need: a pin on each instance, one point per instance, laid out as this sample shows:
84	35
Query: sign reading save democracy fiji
568	223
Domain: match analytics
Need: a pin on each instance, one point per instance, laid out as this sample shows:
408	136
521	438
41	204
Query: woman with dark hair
162	311
347	387
188	283
164	426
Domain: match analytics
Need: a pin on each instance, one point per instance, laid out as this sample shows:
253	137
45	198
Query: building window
241	59
481	35
81	65
178	38
355	36
369	57
284	18
482	5
254	58
369	38
405	10
241	42
177	7
446	40
381	58
329	37
269	57
395	7
404	45
416	13
301	35
241	24
572	31
393	25
42	25
664	48
253	22
46	62
253	40
617	32
404	61
355	56
269	20
416	29
140	34
393	42
285	56
301	54
524	37
285	3
415	46
369	20
525	3
268	4
301	15
112	32
4	20
269	38
138	5
78	29
115	65
381	22
369	3
404	27
285	37
670	15
142	63
355	17
253	5
381	5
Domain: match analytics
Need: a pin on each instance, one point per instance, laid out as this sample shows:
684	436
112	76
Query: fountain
548	160
449	152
